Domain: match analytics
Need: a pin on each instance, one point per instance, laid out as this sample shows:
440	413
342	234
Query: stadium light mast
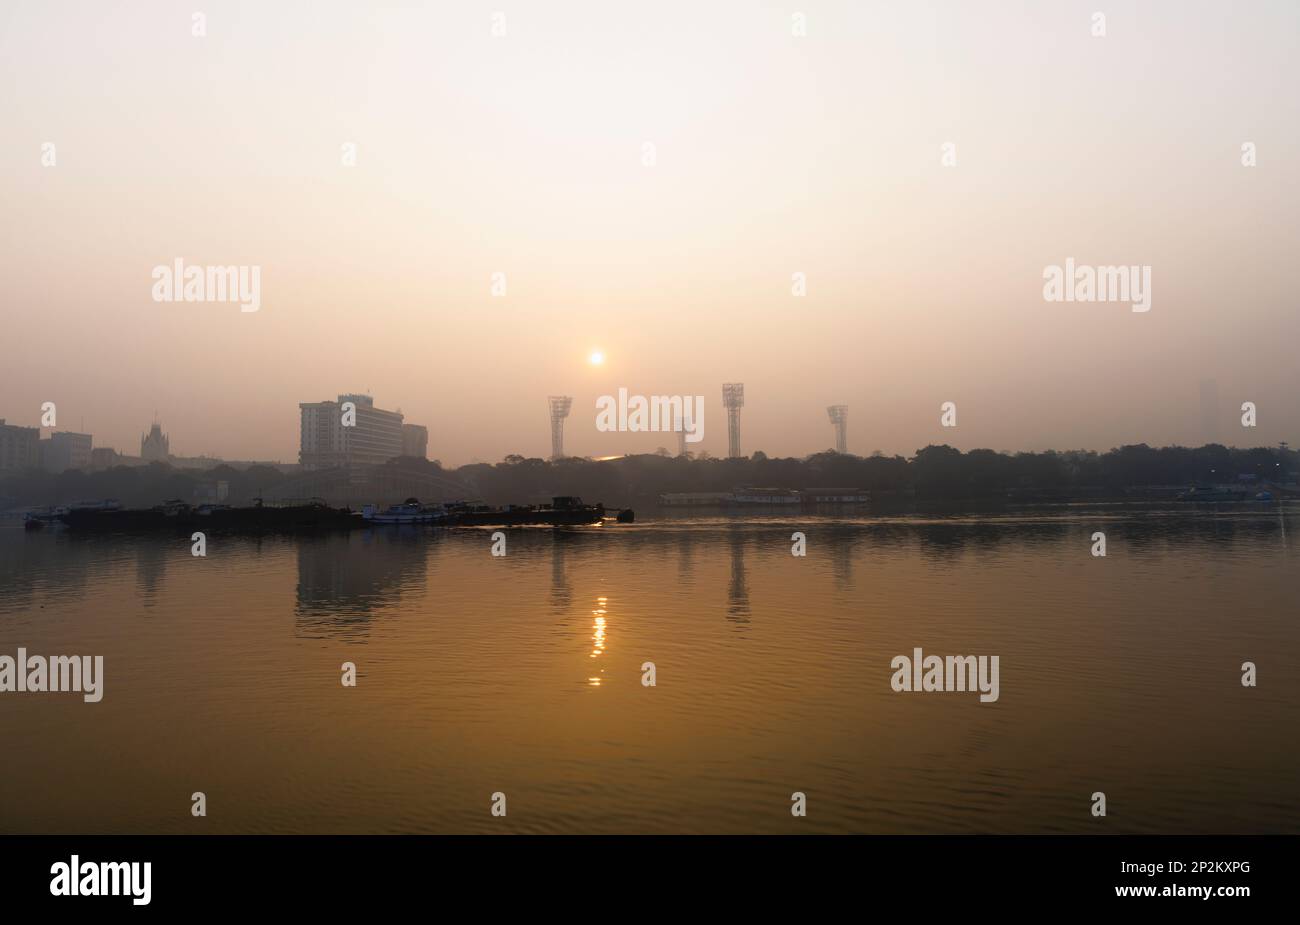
733	399
839	415
560	405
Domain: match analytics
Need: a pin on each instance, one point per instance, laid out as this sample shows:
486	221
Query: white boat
408	512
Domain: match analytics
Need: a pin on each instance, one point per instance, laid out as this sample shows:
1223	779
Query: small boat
410	511
53	516
42	518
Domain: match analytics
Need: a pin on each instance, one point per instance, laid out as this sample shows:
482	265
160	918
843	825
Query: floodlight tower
733	399
839	415
560	405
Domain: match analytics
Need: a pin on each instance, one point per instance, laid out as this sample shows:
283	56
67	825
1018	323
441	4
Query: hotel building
326	442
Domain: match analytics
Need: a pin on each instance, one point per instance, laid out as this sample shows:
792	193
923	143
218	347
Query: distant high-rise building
733	399
66	450
155	446
415	441
371	436
839	415
20	447
560	405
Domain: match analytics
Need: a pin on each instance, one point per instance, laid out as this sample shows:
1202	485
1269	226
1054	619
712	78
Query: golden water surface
523	675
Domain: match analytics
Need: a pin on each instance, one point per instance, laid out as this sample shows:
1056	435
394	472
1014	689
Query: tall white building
370	437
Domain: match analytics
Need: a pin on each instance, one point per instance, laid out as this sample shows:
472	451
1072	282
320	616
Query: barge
179	516
315	515
564	510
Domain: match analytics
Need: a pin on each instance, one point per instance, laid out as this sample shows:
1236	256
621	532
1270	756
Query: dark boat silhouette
315	515
181	517
564	510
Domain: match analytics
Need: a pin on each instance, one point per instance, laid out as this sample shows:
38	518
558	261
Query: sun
597	358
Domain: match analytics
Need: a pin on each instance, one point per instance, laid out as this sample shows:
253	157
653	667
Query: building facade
20	447
415	441
104	457
66	450
368	436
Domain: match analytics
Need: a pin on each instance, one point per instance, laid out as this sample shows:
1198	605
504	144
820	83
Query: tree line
933	472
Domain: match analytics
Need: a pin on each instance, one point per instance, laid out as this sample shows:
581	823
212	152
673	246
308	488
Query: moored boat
179	516
41	518
410	511
564	510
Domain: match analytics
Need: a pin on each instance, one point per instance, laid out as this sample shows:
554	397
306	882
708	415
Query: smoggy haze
775	155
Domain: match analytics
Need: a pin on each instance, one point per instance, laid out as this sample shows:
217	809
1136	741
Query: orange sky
775	155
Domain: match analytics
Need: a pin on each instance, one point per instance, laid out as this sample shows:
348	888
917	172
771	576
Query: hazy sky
774	155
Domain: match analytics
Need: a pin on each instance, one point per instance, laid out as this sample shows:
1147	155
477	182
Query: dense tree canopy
934	472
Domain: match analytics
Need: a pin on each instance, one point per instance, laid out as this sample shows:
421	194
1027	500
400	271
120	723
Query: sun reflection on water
598	637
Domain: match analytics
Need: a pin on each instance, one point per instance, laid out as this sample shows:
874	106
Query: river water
523	675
